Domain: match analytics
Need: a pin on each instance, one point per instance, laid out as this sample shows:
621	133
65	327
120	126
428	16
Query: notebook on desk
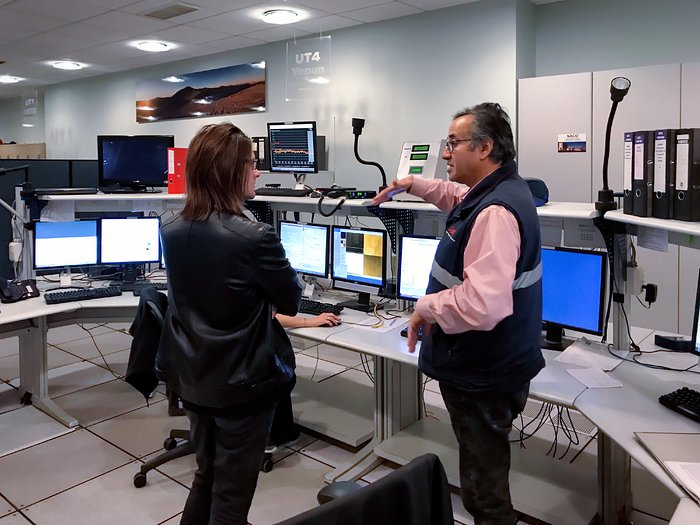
679	455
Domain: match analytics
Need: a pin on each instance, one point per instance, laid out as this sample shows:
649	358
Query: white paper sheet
590	355
687	474
594	378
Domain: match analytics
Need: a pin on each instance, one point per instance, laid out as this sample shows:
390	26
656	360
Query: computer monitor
573	293
292	147
306	246
133	162
130	242
416	255
695	337
358	263
65	244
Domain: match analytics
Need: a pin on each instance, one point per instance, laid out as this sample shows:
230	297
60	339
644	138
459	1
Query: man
481	315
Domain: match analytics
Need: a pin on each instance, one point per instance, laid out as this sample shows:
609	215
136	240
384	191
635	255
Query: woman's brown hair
216	171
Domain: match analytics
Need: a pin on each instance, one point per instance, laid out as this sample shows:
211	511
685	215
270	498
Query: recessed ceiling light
9	79
280	16
68	65
27	125
173	79
153	46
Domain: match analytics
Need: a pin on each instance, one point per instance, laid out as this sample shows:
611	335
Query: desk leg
614	490
33	372
397	405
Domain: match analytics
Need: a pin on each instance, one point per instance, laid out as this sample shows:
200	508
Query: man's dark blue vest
501	360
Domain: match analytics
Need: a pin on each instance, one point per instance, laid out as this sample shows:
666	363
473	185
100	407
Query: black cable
335	209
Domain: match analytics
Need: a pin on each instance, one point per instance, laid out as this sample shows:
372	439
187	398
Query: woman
230	359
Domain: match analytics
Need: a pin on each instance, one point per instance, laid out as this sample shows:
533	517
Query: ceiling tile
133	24
234	42
326	23
70	10
435	4
188	35
338	6
232	24
275	34
91	34
112	4
8	34
382	12
35	23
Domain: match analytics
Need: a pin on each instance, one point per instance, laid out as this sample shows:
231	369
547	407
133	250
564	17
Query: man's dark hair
491	122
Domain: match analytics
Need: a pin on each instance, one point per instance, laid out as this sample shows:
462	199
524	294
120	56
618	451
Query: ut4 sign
308	67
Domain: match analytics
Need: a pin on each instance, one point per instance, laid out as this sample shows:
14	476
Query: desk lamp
619	86
357	125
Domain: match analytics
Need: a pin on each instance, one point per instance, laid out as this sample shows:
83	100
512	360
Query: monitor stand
132	278
361	304
553	338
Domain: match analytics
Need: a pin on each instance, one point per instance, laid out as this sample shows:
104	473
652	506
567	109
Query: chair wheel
169	443
139	480
267	464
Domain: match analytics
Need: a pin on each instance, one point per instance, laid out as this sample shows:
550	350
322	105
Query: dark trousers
482	428
283	427
229	453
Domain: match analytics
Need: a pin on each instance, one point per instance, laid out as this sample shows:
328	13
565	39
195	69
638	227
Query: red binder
177	158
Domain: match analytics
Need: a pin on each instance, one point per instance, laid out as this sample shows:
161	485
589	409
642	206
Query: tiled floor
51	475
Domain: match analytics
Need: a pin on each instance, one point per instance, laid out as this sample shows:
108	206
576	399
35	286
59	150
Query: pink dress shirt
485	296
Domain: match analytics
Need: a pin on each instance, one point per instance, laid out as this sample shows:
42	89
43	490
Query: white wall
406	77
591	35
11	122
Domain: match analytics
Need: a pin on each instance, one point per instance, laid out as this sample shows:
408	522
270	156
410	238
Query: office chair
415	494
142	374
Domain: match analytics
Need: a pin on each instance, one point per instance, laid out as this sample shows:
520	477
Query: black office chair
142	374
415	494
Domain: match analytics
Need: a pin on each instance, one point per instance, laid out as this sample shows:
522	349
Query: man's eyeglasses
451	144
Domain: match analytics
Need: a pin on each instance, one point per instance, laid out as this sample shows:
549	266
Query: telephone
13	291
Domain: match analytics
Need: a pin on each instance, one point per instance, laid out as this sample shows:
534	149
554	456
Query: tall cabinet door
689	257
549	107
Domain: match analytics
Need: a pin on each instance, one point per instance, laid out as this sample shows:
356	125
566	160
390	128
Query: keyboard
158	286
66	191
81	294
685	401
309	306
282	192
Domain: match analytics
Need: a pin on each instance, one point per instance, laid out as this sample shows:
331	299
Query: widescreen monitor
133	162
292	147
695	338
65	244
573	292
416	255
306	246
133	240
358	262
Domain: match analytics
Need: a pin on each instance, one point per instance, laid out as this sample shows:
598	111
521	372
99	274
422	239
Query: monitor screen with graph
292	147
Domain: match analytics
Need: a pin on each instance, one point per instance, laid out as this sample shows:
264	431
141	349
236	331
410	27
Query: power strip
360	194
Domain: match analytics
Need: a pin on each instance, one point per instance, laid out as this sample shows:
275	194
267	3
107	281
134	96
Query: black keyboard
309	306
685	401
163	287
282	192
81	294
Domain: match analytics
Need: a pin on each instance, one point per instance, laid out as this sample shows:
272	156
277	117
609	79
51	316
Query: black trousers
283	427
229	452
482	427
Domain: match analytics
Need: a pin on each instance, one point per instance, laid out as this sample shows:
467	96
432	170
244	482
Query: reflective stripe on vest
448	280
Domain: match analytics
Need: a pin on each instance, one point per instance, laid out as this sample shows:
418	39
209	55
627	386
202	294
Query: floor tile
327	453
335	355
105	343
153	425
9	367
288	490
378	472
9	398
112	498
58	358
315	369
120	327
9	346
72	332
104	401
70	459
181	469
26	426
117	362
175	520
5	507
435	407
14	519
71	378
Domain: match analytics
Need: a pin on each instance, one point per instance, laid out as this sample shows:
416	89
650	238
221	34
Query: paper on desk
590	354
594	378
687	475
58	211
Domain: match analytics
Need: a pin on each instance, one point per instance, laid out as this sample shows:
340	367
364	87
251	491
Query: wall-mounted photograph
222	91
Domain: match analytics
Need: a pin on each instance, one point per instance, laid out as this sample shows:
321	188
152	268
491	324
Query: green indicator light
415	170
421	147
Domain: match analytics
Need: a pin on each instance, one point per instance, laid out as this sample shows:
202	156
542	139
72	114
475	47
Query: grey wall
11	122
406	77
590	35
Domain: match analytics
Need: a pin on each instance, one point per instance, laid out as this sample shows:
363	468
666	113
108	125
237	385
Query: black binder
686	202
664	173
628	159
643	173
260	147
